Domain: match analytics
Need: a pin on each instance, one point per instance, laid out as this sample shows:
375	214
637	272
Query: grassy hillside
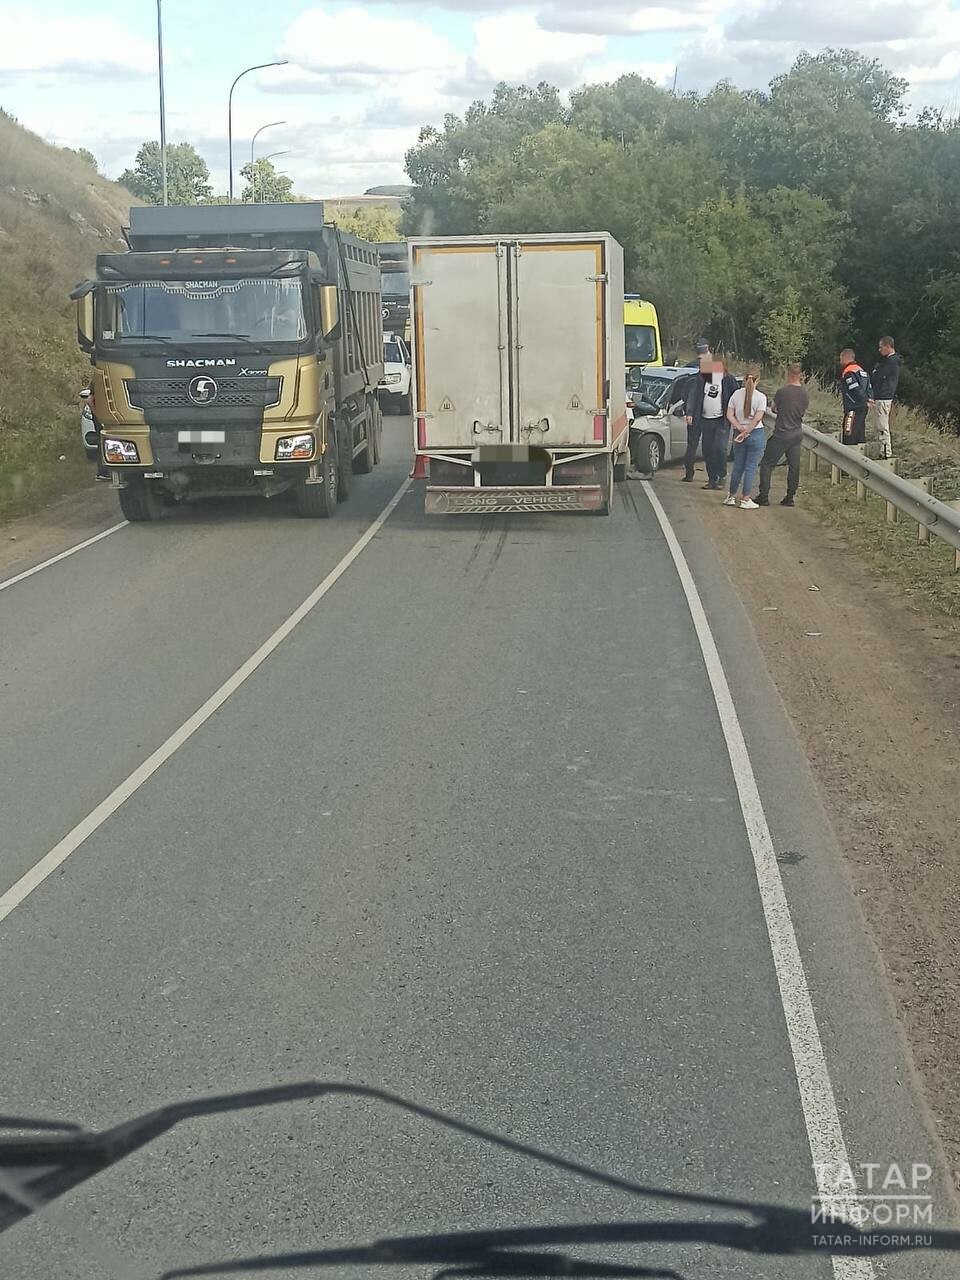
56	214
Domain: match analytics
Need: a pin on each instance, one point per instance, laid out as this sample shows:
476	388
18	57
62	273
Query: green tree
785	331
377	223
188	178
265	185
86	156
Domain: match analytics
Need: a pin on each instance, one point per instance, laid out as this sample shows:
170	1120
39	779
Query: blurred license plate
201	437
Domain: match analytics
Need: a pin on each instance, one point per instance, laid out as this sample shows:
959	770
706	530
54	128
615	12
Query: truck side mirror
85	322
329	312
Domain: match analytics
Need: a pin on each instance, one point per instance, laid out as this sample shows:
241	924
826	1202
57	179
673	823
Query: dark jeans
715	441
714	435
693	439
777	446
854	429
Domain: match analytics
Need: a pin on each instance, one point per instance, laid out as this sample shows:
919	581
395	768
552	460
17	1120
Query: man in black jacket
856	393
885	378
705	407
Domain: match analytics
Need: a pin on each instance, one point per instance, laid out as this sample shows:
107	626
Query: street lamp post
246	71
266	160
163	109
272	125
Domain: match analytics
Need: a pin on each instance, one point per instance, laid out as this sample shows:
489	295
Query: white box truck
519	400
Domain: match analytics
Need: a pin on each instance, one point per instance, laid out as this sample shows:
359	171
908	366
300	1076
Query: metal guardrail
909	497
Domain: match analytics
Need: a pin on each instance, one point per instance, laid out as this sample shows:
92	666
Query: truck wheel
345	456
140	502
319	501
619	471
649	454
366	460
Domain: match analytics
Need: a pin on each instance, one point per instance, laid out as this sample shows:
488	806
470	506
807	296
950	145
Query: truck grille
148	394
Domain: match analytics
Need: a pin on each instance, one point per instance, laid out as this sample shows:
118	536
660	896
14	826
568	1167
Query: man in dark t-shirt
789	404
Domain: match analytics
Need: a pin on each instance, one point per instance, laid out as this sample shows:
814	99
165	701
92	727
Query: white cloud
355	42
83	48
607	71
515	47
628	19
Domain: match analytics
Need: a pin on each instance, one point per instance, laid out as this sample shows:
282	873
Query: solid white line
31	879
97	537
820	1114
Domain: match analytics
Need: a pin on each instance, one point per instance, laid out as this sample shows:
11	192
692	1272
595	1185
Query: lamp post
266	160
272	125
163	109
246	71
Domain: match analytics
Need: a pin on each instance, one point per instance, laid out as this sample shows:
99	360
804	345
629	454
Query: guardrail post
954	504
923	530
893	515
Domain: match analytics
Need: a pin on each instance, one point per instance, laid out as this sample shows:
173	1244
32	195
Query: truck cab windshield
395	285
265	310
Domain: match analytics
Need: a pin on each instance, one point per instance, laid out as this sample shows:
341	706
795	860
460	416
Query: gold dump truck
236	349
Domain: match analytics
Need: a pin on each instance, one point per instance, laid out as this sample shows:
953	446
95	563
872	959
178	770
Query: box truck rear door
561	337
460	345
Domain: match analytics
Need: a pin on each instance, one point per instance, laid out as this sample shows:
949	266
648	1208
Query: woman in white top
745	415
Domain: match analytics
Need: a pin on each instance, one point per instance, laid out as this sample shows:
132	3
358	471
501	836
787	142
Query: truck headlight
120	451
389	379
295	448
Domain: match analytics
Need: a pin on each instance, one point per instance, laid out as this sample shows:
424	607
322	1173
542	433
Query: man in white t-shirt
706	412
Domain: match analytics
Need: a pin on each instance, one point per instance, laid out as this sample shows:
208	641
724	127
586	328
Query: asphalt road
469	833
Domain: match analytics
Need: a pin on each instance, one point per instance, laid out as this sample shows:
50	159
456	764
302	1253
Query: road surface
470	832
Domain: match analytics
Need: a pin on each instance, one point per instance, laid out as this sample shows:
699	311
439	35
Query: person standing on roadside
789	404
745	415
856	394
885	379
705	407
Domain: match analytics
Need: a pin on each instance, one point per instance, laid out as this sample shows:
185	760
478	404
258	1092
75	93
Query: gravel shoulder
870	682
27	540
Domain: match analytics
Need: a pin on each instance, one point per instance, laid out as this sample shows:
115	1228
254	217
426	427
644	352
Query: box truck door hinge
601	279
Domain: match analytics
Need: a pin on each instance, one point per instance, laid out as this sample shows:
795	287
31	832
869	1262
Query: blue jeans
746	458
714	439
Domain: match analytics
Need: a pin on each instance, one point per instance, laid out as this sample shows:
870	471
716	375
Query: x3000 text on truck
235	349
519	397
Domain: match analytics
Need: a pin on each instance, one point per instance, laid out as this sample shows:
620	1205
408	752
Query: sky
363	76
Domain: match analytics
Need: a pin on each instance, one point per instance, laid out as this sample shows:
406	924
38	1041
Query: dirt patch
58	525
872	686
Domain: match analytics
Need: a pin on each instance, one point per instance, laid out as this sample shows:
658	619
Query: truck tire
345	459
319	501
620	471
649	454
366	459
140	502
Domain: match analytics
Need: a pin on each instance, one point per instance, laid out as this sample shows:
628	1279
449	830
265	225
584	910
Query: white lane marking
817	1100
71	551
31	879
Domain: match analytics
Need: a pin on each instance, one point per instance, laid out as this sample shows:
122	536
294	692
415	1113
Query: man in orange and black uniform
856	394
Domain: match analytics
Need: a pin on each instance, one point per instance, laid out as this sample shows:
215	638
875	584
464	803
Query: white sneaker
748	504
729	501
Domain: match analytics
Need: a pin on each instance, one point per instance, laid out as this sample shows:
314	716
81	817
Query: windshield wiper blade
239	337
131	338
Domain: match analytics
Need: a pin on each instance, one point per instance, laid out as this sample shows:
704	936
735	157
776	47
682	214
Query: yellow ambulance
641	332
